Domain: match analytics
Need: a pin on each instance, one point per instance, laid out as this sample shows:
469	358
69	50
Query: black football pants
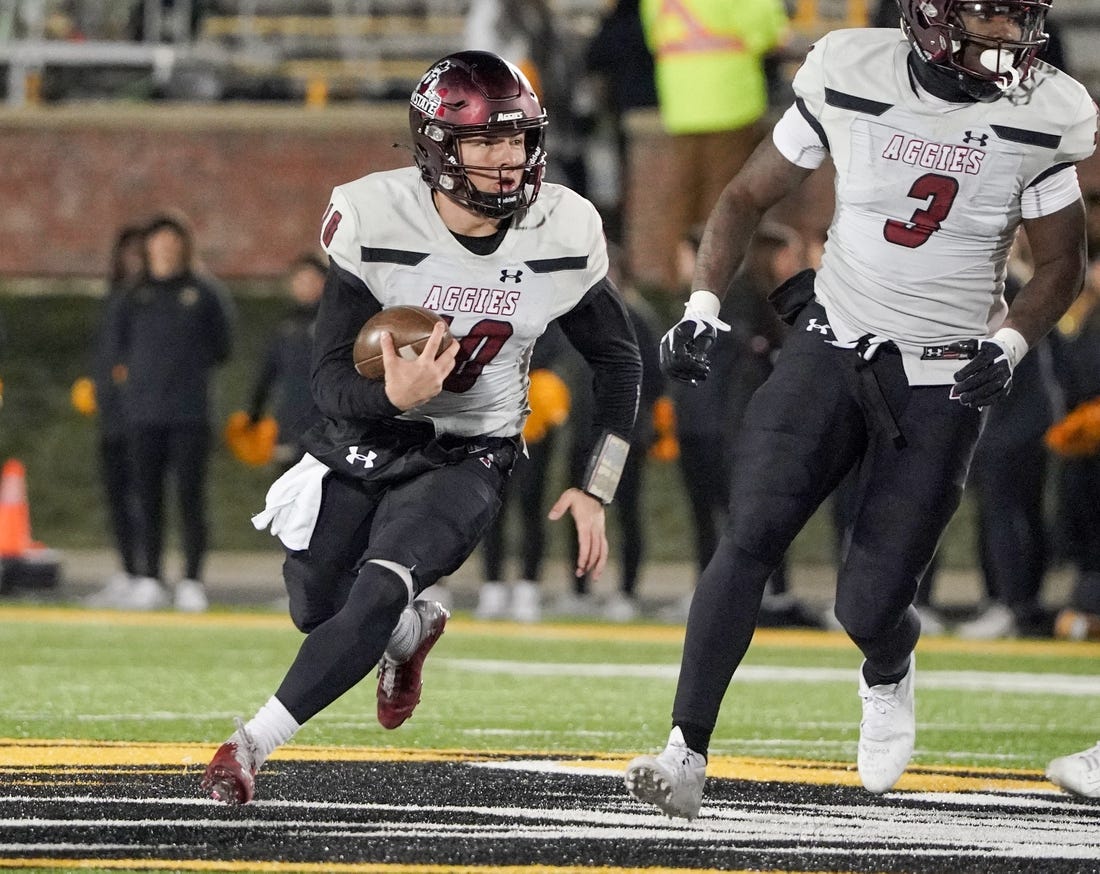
348	604
804	429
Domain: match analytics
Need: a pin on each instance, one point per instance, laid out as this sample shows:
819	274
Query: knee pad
404	573
381	591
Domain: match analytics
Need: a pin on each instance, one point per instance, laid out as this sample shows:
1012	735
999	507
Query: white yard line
955	681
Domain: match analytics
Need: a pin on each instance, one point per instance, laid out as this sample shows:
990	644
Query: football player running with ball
945	141
404	475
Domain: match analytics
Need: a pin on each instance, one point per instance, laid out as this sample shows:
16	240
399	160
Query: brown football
410	326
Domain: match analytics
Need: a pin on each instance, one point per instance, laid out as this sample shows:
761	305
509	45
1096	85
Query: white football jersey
929	194
385	229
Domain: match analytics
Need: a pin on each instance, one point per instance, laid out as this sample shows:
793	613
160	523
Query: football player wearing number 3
404	475
945	140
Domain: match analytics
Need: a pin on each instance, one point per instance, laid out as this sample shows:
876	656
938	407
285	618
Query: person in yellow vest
712	95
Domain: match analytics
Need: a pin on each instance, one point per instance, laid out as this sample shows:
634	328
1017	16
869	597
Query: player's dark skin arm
766	178
1057	244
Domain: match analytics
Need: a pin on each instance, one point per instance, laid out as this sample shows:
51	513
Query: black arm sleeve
340	392
600	329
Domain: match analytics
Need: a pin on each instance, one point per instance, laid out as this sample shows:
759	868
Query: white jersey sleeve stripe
798	141
1051	192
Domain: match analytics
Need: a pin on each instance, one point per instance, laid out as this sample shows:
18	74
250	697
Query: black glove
685	349
986	378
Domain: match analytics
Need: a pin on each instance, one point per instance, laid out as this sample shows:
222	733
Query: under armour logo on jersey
980	139
354	456
514	276
812	325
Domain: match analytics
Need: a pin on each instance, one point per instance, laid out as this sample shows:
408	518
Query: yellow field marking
346	867
563	630
76	755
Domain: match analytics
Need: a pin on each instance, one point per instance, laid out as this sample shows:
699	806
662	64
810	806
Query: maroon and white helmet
476	93
937	35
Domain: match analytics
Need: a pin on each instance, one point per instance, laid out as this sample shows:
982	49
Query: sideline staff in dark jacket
173	329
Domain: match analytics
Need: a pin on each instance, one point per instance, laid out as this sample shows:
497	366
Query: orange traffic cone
15	515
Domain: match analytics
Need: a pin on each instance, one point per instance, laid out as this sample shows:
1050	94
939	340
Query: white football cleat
888	730
1078	773
673	780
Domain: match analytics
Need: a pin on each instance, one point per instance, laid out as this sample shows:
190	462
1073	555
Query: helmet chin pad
938	36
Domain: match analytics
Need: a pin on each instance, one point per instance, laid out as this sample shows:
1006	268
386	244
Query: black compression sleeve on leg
888	654
343	650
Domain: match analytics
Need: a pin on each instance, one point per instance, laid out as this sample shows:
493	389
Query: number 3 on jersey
940	192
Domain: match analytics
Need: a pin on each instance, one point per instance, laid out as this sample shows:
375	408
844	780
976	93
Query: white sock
405	637
270	728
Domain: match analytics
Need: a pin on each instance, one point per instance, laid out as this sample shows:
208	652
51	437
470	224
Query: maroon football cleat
399	685
231	775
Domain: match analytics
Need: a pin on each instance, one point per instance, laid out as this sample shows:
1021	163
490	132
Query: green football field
552	687
512	763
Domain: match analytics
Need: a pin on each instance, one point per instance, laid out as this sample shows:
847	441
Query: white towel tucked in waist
293	503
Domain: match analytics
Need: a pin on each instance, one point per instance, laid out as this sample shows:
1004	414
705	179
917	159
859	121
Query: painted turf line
954	681
924	829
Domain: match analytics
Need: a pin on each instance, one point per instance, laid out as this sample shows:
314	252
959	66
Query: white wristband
1014	344
703	303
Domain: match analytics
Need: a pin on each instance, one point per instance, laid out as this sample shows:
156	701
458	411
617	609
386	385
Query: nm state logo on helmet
425	98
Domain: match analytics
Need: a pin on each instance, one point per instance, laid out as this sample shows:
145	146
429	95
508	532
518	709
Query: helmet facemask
939	36
453	179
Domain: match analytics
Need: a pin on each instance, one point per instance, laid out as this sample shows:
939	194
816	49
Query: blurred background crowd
191	144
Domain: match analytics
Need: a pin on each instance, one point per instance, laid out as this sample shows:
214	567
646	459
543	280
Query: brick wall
253	179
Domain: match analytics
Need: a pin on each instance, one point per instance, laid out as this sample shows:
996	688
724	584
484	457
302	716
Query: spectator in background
712	96
622	605
283	380
549	400
127	269
1077	355
1008	479
174	327
708	416
620	60
526	33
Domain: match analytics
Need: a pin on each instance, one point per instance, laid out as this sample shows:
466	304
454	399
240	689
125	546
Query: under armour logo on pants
354	456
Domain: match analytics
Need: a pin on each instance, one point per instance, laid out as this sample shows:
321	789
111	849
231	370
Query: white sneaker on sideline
673	779
888	730
569	603
113	595
620	608
995	622
1078	773
931	625
677	611
526	601
191	597
492	601
146	593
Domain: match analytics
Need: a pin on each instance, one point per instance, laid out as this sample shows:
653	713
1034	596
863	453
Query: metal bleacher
320	50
